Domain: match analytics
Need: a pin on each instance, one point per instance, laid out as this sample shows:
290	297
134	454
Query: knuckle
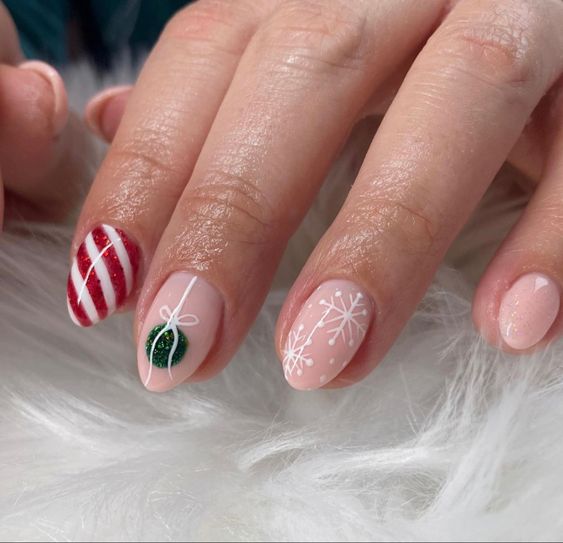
312	33
207	22
499	43
411	230
149	157
230	208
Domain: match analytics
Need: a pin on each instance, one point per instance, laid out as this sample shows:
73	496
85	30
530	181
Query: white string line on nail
173	321
91	269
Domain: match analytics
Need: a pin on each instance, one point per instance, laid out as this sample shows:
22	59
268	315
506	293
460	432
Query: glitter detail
164	345
103	274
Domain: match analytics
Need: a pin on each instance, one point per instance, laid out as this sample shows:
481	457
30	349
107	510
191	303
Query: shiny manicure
528	310
179	331
102	276
327	333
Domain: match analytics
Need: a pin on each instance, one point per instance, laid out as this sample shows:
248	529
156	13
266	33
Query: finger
104	112
517	304
10	52
261	166
34	111
168	116
459	112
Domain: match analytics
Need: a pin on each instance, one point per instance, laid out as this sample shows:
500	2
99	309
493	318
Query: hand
43	148
227	137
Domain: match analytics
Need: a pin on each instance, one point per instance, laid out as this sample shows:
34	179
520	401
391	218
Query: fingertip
104	112
60	111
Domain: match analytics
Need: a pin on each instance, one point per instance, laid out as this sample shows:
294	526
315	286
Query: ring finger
454	121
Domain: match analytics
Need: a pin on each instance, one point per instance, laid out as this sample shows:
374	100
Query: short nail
102	276
327	333
179	331
95	114
60	101
528	310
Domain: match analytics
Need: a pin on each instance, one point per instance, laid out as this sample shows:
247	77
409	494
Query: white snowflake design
173	321
344	315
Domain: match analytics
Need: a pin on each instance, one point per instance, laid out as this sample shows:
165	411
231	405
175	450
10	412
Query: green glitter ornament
164	345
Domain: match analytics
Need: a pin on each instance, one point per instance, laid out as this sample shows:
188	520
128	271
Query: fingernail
327	333
102	276
101	117
528	310
60	101
179	331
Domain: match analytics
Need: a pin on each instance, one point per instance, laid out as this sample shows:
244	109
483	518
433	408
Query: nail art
102	276
327	333
178	331
528	310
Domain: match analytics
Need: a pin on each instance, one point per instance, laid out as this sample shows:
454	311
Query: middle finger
301	84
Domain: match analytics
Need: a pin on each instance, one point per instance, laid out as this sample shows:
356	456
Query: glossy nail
179	331
60	101
528	310
327	333
103	112
103	275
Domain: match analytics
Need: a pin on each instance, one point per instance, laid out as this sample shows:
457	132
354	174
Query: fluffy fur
446	440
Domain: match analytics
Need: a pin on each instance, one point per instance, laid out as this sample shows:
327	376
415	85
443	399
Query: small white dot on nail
309	363
331	361
323	379
309	306
365	312
301	326
338	293
299	373
351	343
360	295
323	301
331	342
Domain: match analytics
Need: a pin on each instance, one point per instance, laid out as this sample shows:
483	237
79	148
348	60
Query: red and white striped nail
102	276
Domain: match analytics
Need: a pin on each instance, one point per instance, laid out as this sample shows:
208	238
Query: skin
42	145
221	146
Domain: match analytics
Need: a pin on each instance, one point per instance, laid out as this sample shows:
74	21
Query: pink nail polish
528	310
327	333
179	331
60	108
102	276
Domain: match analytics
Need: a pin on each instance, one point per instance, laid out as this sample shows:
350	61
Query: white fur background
447	440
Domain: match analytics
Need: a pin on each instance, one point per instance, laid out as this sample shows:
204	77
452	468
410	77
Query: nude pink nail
528	310
179	331
327	333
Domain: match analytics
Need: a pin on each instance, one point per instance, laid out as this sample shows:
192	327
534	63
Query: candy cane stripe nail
102	276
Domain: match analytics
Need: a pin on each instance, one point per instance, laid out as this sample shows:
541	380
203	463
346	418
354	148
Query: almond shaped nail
326	334
102	276
179	331
528	310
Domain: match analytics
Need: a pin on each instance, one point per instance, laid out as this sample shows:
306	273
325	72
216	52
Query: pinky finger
518	302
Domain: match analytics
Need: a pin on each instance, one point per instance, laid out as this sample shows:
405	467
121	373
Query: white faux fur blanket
446	440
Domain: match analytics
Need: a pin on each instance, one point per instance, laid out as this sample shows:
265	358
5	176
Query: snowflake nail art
327	333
